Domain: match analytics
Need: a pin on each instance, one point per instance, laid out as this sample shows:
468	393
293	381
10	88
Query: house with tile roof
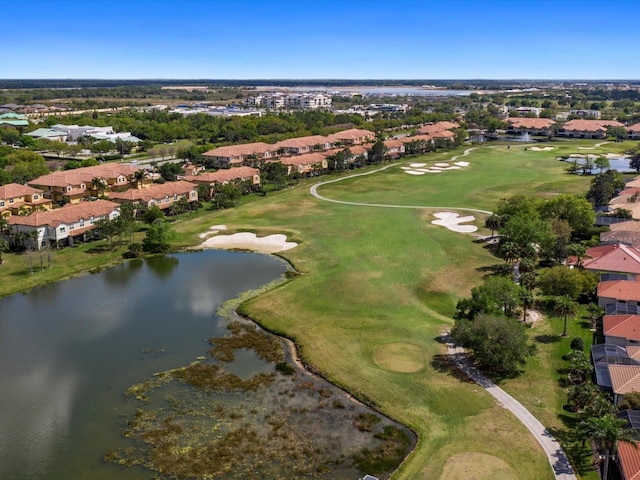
624	379
16	198
627	233
587	128
307	164
395	148
353	136
634	131
70	223
622	330
300	145
235	155
437	127
162	195
616	296
616	258
225	175
530	126
72	186
628	458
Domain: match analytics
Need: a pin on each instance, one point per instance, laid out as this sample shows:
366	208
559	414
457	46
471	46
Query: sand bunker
452	221
416	172
418	168
541	149
249	241
462	164
441	164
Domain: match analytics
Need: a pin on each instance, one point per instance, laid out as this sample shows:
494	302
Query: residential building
15	198
616	259
619	296
353	136
529	126
395	148
587	128
73	185
49	134
70	223
13	119
438	127
300	145
627	233
634	131
624	379
307	101
622	330
628	458
307	164
594	114
162	195
226	175
234	155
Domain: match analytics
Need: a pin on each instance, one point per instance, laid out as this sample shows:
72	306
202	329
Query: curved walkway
557	458
314	191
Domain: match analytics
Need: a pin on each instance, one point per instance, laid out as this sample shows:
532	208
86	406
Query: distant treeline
445	84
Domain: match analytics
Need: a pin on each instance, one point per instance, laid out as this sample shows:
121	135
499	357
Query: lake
69	351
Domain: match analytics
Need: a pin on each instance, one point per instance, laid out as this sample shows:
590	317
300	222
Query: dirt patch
476	466
534	317
399	357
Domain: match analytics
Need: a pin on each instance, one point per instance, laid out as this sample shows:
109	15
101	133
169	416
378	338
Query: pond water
69	351
621	164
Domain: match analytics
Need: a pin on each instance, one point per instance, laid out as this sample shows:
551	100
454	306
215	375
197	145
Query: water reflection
69	350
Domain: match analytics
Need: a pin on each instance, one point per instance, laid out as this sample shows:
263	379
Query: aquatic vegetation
203	421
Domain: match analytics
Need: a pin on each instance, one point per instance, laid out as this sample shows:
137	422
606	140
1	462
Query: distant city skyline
321	39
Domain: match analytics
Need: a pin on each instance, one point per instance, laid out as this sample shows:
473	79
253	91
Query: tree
106	229
102	147
602	162
603	187
565	307
4	247
99	185
152	214
635	161
580	368
123	147
565	281
139	176
498	343
606	432
377	152
157	238
24	172
493	222
576	211
497	295
170	171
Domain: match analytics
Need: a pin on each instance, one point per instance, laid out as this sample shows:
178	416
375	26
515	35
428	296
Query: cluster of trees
596	414
20	166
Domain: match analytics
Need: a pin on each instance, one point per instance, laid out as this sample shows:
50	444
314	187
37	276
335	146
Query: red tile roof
623	326
224	175
301	142
629	460
630	226
393	143
238	150
525	122
307	159
108	171
612	258
623	290
625	378
155	191
634	128
590	125
68	214
351	134
12	190
437	127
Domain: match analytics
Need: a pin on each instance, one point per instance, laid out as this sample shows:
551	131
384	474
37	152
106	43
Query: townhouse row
596	129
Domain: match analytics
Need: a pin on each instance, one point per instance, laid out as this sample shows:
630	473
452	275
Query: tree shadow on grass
574	445
443	364
548	338
100	249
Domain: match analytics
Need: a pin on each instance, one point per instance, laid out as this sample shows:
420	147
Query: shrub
577	344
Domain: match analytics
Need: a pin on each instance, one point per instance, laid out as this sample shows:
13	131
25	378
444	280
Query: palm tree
565	307
139	176
99	185
4	247
493	222
606	432
576	250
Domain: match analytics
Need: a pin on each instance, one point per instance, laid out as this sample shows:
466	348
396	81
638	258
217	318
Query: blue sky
321	39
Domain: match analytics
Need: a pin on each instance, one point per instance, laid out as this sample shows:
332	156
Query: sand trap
433	170
417	168
212	230
406	168
541	149
612	156
415	172
441	164
452	221
417	165
249	241
462	164
453	167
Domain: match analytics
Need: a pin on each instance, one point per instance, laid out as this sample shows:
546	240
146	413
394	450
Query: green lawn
379	285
